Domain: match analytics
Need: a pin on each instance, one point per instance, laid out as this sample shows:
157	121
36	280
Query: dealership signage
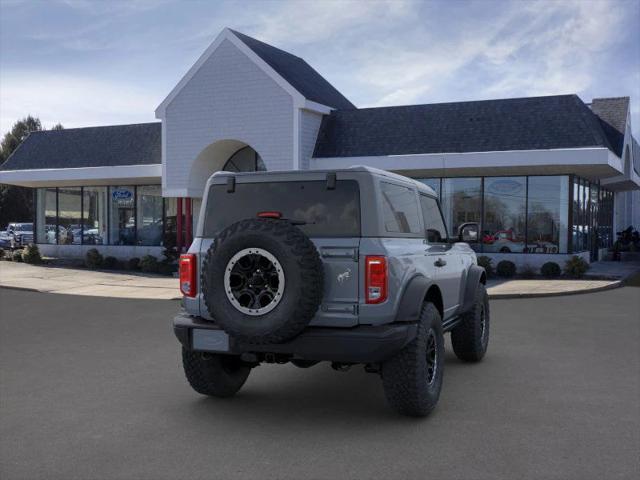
122	196
505	186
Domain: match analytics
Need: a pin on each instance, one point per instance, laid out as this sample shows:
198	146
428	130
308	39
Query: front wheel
412	379
470	338
215	375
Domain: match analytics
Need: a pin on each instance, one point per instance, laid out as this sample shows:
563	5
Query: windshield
23	227
318	211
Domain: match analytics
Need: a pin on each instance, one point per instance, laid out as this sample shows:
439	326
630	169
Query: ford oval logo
121	194
505	186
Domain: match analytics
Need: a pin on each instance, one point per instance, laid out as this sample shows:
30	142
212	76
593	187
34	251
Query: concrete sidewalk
78	281
546	288
613	270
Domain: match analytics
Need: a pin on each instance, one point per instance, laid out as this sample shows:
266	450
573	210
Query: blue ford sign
122	194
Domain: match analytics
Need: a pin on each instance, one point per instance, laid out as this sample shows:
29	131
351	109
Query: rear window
326	213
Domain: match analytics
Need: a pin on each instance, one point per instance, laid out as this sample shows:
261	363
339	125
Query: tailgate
339	305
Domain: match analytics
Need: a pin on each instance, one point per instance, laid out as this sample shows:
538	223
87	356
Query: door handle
440	263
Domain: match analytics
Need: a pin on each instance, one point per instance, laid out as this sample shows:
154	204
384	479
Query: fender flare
412	298
474	277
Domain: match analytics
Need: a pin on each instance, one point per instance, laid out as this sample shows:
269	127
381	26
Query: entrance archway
230	155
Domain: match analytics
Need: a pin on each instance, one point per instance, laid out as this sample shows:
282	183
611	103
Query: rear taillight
375	279
277	215
188	267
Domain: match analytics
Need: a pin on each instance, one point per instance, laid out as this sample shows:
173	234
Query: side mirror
468	232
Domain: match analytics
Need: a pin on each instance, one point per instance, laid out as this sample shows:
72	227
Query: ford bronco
351	266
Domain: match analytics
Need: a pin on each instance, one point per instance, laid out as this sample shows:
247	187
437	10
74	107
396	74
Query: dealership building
544	177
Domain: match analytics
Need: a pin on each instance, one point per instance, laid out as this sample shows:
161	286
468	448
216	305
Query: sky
86	63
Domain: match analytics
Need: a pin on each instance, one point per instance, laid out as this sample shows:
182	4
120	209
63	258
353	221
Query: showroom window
122	218
399	209
46	215
524	214
149	215
505	215
170	222
118	215
605	219
69	216
548	210
94	214
462	203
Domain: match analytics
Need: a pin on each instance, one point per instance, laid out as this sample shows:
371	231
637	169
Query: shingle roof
533	123
613	116
89	147
298	73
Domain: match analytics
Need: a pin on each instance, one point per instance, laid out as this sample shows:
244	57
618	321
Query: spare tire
262	280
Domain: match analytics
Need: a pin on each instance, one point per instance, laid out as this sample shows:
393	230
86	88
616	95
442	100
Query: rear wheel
214	374
304	363
470	338
412	379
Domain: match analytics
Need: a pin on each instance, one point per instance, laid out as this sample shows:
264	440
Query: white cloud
306	22
376	52
73	101
533	48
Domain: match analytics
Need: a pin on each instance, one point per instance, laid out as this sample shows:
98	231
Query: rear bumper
361	344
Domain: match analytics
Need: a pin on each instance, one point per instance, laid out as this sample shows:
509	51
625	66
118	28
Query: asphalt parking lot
92	388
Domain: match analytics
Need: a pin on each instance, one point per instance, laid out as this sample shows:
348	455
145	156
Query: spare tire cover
262	280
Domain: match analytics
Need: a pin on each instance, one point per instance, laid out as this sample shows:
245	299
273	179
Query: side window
435	232
400	209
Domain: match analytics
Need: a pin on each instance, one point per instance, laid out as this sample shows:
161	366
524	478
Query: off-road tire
469	339
304	363
303	272
215	375
404	376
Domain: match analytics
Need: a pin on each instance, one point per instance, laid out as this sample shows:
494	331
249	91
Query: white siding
309	126
229	97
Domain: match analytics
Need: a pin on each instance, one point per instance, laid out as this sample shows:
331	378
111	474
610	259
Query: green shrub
551	270
2	255
31	254
170	254
527	271
486	263
93	259
110	263
133	263
576	267
149	264
506	268
17	256
166	268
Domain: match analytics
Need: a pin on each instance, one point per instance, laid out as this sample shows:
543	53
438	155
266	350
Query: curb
494	296
504	296
28	289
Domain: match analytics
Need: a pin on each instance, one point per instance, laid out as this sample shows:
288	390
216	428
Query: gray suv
351	266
